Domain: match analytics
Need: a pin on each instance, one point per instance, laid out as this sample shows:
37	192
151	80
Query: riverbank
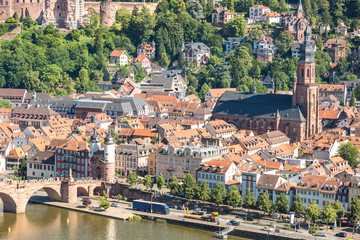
124	212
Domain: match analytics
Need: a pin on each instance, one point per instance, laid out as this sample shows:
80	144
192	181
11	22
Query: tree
195	9
175	187
298	204
160	182
242	88
204	191
103	203
340	211
349	152
218	193
282	203
312	212
285	42
148	182
4	103
314	229
342	65
354	213
236	26
204	89
281	81
234	197
132	180
282	6
249	199
189	186
352	99
264	203
329	213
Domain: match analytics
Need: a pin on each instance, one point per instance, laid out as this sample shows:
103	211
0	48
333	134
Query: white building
264	43
119	57
198	52
219	170
41	165
257	11
102	120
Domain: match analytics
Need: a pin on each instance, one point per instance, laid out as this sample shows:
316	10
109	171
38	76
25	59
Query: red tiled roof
116	53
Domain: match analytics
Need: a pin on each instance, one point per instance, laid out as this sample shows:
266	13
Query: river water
41	222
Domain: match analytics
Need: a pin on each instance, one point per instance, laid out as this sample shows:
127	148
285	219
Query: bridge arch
81	191
9	204
98	189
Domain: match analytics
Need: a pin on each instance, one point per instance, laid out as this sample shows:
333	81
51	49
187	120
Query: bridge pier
68	192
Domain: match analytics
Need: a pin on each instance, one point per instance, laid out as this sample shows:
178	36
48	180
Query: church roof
260	105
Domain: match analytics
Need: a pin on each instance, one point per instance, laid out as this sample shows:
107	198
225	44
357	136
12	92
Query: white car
115	205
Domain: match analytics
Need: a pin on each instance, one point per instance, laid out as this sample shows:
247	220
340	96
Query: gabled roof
217	92
117	53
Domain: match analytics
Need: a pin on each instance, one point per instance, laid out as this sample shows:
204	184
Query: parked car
320	234
180	207
277	230
341	234
266	228
233	223
172	206
115	205
248	218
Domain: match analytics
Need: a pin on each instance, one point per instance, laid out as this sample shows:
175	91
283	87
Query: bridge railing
8	182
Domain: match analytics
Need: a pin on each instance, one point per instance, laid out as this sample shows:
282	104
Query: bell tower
306	91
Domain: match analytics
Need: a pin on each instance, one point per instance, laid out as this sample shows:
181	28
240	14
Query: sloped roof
116	53
260	105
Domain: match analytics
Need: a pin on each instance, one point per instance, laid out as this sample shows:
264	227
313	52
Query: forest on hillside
45	60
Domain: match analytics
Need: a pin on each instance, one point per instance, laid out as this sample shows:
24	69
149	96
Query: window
33	173
30	165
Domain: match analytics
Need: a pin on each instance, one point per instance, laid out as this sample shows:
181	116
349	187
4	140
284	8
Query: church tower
306	91
109	156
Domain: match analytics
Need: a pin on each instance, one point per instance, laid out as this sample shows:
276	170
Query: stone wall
108	9
32	8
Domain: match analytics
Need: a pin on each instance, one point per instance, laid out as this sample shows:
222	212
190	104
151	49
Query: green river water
41	222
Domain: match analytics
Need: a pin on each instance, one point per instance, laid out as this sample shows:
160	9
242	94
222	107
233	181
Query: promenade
123	212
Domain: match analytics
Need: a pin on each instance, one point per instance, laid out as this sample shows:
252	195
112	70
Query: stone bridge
15	195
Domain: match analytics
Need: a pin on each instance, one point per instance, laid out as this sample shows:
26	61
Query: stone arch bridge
15	195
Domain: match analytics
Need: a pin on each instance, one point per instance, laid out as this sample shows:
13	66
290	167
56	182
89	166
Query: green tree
282	6
189	186
234	197
354	213
195	9
249	199
349	152
4	103
148	181
204	89
340	211
160	181
329	213
103	203
352	99
282	203
218	193
314	229
204	191
342	65
298	204
312	212
281	80
264	203
175	187
132	180
236	26
242	88
285	41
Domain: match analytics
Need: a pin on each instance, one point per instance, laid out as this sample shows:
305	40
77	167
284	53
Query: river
43	222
